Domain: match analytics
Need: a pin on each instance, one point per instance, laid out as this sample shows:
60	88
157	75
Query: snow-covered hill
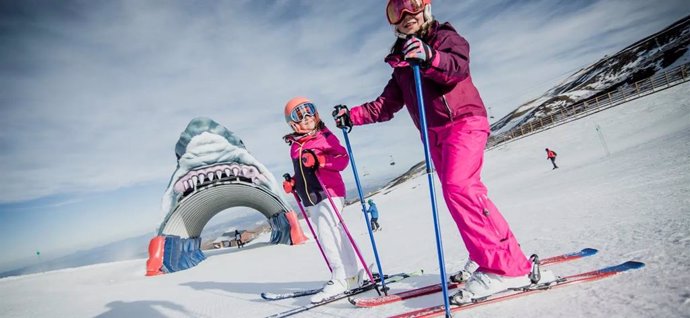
633	204
652	55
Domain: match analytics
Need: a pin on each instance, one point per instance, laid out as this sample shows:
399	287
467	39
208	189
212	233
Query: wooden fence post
668	82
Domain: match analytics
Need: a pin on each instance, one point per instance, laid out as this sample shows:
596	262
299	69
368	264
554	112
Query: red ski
430	289
435	311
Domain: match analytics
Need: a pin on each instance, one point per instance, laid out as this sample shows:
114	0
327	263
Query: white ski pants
334	242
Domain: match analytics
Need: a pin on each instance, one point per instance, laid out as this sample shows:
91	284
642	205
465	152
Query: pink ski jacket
449	93
325	143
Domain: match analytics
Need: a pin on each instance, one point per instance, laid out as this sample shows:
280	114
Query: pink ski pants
457	151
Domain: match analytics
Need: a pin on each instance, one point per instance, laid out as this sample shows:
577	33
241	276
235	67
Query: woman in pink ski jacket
458	130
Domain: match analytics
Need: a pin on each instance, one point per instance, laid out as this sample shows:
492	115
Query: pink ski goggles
301	111
396	9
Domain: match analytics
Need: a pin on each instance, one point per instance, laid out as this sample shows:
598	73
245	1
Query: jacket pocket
489	220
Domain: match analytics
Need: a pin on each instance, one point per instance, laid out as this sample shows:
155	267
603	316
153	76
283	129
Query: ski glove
311	160
342	117
416	50
289	183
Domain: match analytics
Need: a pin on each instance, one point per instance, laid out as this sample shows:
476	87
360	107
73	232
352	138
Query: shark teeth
195	179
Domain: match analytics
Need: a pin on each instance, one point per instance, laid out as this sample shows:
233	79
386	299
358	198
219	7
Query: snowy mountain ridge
654	54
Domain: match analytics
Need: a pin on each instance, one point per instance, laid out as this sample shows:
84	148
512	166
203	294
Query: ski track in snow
633	204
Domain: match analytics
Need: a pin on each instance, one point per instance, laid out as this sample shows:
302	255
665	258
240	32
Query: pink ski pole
347	232
306	218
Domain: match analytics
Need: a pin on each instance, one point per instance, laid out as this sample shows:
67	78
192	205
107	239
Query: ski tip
629	265
634	264
589	251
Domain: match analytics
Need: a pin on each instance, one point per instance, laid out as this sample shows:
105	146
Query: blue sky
95	93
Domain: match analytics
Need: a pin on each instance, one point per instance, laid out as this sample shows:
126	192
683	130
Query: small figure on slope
374	212
238	239
551	155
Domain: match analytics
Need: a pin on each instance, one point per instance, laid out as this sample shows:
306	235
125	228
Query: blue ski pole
432	191
364	210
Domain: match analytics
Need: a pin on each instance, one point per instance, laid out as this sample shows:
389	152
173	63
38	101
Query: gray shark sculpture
214	172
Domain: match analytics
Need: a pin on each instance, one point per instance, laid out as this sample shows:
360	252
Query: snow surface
633	204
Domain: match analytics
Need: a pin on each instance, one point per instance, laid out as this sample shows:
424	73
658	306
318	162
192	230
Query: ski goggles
396	9
301	111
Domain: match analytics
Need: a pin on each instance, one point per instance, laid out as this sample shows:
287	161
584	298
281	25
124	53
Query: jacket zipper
445	102
304	179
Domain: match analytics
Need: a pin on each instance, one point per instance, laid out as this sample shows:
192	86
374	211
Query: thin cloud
98	92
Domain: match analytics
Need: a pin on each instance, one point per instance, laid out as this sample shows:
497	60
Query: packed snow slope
631	205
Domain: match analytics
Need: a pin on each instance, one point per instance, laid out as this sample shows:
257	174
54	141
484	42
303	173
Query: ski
389	279
430	289
307	292
294	294
602	273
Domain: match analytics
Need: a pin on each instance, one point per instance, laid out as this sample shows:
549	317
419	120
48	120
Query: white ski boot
355	281
465	273
481	284
332	288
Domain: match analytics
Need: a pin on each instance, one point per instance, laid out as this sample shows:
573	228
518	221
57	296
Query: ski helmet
296	109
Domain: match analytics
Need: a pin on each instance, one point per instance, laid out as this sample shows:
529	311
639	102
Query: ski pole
306	218
349	236
432	191
364	209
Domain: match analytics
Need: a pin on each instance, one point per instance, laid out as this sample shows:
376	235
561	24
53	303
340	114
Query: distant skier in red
550	154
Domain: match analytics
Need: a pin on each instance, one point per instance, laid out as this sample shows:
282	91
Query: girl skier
458	132
313	147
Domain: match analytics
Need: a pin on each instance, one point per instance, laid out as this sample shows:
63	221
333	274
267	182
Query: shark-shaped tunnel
214	172
194	211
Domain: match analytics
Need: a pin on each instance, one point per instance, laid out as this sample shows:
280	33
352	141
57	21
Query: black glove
342	117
